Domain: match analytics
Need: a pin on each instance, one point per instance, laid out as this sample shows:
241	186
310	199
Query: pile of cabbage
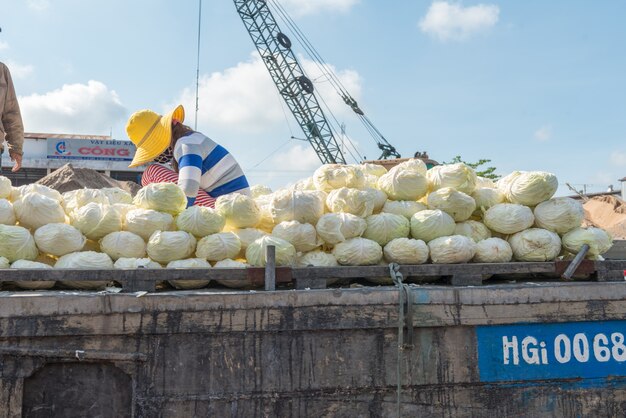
344	215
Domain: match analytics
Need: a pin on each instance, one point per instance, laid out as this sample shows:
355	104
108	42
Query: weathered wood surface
311	277
330	352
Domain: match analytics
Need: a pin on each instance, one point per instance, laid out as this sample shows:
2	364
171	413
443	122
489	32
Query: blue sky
532	85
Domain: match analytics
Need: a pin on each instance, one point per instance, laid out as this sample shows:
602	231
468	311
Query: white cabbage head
78	198
458	176
162	197
403	184
493	250
371	182
135	263
354	201
406	208
166	246
378	197
452	249
200	221
123	244
33	210
145	222
334	176
535	244
531	188
259	190
117	195
430	224
486	198
4	263
85	260
123	209
508	218
285	252
247	236
302	236
232	264
7	214
560	214
304	184
96	220
370	169
483	182
218	246
472	229
406	251
35	284
36	188
190	263
239	211
317	258
414	164
16	243
293	205
5	188
503	183
266	222
599	240
334	228
385	227
456	204
358	252
59	239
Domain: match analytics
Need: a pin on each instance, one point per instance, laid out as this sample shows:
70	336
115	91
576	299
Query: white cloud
74	108
4	45
19	71
308	7
38	5
618	158
450	21
544	133
244	98
297	158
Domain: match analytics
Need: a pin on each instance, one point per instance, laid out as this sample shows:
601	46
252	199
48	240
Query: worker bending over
202	168
11	126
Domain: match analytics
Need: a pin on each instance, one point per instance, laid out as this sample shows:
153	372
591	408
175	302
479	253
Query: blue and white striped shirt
204	164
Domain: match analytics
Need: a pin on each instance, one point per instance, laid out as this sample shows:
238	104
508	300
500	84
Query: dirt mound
69	178
607	212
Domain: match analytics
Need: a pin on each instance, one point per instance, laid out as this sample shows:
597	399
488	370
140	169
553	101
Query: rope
404	297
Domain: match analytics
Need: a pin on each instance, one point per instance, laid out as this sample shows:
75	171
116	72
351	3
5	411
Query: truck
464	340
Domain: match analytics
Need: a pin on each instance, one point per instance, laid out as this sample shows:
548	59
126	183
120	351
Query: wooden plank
460	279
310	283
617	251
288	274
425	270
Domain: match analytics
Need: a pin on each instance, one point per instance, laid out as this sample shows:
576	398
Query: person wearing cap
11	126
202	168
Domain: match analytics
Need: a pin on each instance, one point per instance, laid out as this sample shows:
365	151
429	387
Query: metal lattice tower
296	89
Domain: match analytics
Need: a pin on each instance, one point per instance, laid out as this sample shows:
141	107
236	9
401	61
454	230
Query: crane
296	88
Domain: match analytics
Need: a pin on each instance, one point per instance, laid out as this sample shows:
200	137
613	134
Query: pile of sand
607	212
69	178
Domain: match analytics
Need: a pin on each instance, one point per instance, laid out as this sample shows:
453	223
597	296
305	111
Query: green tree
487	172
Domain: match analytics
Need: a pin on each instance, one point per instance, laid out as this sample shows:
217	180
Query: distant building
44	153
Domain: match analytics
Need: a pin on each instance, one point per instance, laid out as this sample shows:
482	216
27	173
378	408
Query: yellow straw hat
151	133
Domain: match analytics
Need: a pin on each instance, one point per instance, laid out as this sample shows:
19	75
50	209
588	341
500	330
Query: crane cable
323	67
330	76
306	44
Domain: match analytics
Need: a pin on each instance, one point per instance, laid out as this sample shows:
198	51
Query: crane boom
293	85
